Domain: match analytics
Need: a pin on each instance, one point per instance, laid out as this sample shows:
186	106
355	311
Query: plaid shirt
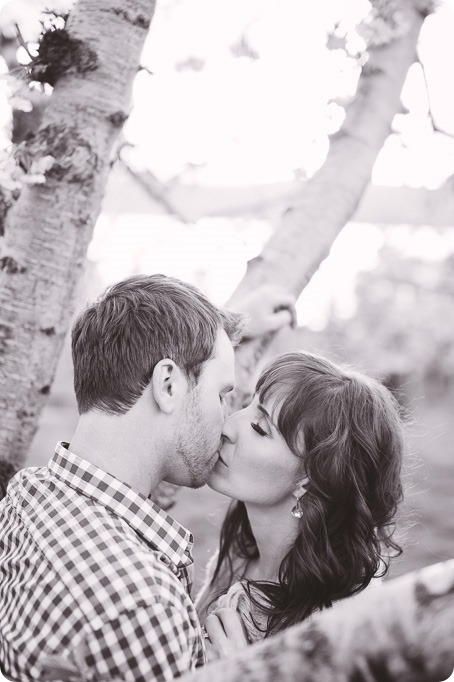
93	573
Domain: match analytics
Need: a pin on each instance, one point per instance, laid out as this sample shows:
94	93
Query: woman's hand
226	633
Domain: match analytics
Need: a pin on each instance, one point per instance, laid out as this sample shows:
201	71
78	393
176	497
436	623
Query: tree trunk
48	229
399	632
309	226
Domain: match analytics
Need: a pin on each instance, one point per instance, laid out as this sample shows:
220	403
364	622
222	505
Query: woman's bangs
277	384
273	386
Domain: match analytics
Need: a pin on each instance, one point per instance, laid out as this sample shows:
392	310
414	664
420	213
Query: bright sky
245	121
252	121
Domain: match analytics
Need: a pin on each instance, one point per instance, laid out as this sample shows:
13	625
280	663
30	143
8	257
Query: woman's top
234	595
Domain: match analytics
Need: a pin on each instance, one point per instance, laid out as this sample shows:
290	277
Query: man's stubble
193	442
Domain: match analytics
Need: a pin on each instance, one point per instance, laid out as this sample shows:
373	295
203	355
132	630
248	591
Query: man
95	577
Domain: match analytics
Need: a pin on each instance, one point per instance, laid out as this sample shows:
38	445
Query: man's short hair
118	340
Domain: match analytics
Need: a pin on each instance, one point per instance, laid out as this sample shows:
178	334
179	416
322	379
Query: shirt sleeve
150	643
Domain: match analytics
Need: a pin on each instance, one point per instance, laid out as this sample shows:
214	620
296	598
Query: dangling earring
297	510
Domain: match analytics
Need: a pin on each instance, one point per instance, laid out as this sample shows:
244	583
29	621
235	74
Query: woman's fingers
233	626
218	639
225	630
214	628
211	651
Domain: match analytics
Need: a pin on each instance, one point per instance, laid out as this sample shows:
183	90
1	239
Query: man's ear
167	385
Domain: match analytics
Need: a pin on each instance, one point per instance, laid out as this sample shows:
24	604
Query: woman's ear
300	489
166	384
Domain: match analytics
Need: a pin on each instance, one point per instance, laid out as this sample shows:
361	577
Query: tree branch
435	127
22	42
401	631
328	200
154	188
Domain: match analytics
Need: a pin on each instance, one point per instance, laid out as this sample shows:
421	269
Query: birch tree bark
48	229
310	225
399	632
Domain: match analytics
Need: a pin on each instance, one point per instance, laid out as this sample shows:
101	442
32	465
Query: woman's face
255	464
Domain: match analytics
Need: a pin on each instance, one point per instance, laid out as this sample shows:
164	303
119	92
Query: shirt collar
154	525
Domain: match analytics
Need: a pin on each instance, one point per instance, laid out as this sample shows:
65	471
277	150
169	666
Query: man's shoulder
90	546
93	551
107	552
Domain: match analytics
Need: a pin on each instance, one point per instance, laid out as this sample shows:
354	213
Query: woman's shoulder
210	589
226	577
206	588
210	567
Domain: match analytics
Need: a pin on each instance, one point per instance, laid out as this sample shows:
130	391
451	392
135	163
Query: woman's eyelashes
258	429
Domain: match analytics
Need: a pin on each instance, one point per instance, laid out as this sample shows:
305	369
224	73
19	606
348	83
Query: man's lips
219	455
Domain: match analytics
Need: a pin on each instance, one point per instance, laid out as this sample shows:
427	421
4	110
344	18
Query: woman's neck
274	530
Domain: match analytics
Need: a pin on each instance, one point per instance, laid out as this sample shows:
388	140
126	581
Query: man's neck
115	445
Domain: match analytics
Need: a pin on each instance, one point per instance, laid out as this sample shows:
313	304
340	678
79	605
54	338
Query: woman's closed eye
258	429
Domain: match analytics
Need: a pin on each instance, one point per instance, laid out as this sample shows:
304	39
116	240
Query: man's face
198	437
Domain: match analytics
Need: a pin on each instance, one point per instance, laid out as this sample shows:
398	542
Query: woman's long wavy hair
353	447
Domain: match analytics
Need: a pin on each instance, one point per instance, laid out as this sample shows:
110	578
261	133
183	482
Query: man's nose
229	431
224	439
225	411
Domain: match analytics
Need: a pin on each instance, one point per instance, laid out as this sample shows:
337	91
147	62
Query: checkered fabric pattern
87	564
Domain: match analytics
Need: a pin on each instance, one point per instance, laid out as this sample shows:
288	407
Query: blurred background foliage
402	326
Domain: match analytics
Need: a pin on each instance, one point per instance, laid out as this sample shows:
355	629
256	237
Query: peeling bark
399	632
48	229
310	225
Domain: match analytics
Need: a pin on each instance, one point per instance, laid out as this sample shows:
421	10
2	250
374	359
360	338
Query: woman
313	466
